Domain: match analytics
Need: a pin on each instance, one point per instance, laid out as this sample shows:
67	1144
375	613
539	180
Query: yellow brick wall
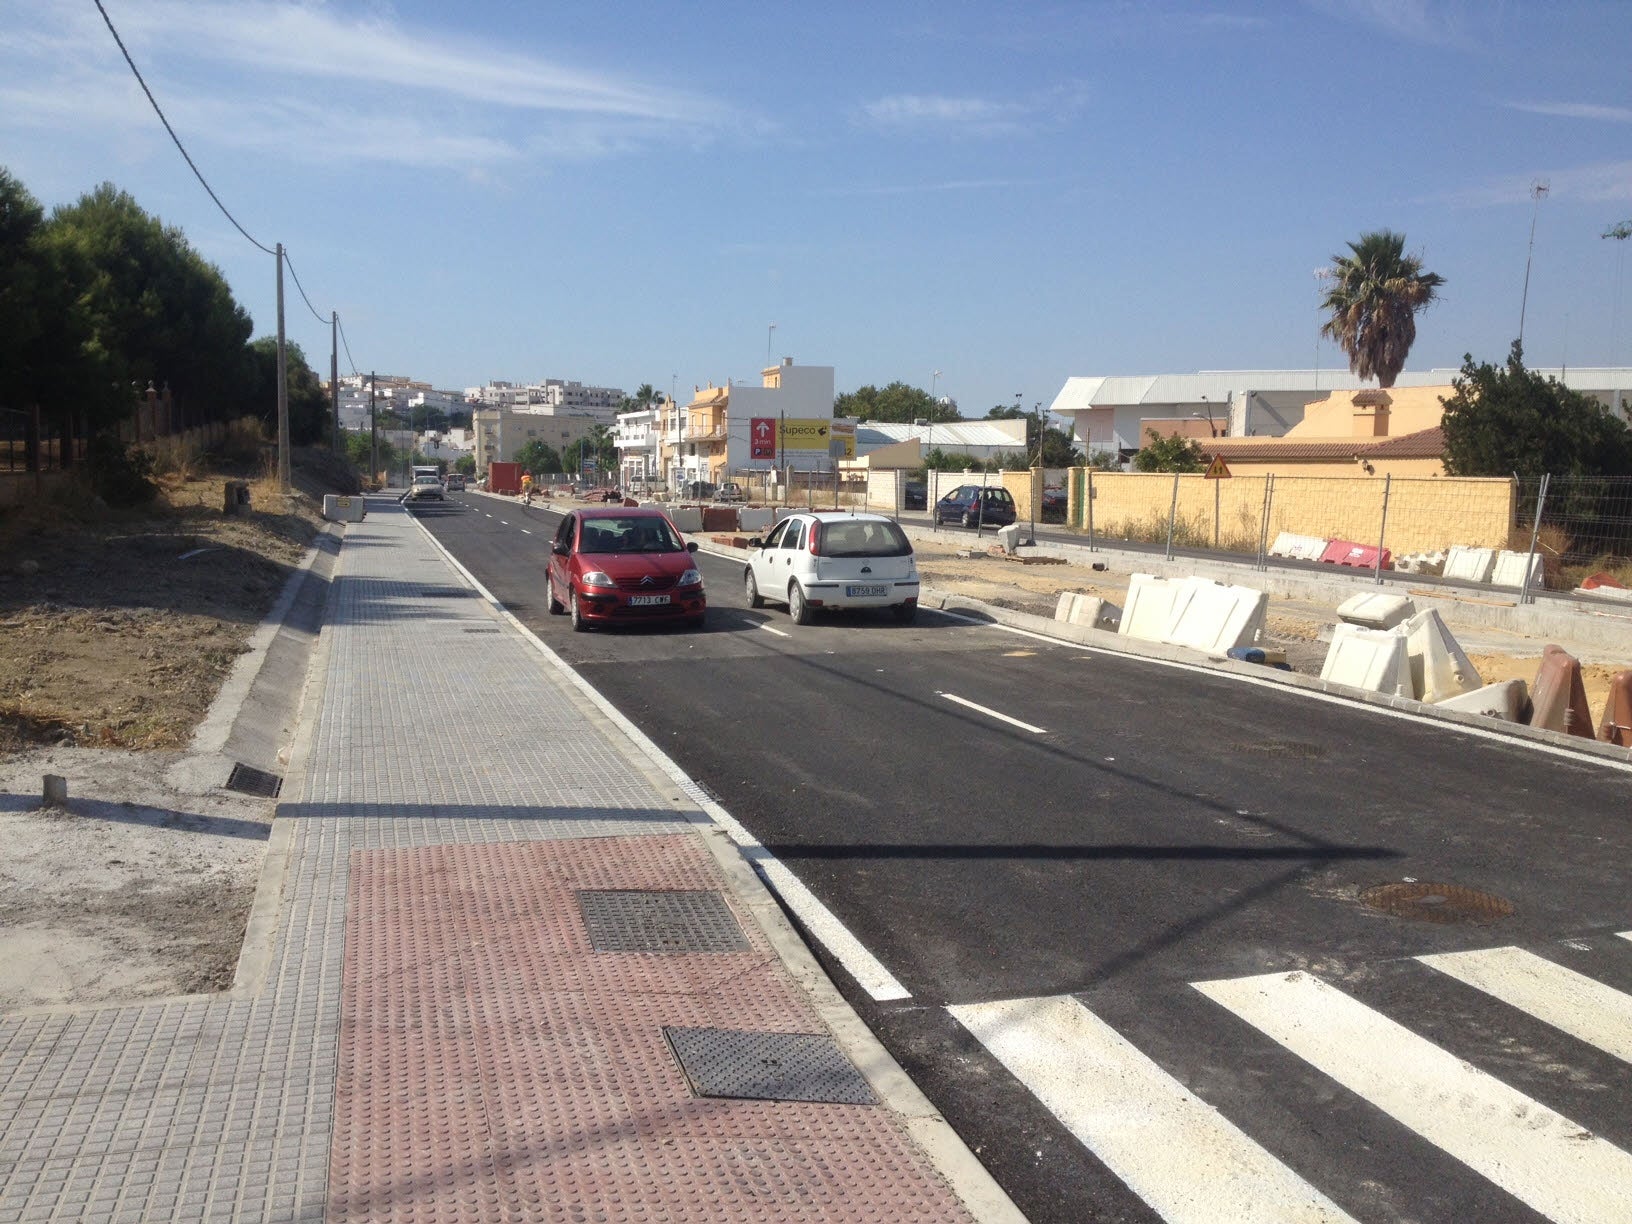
1423	514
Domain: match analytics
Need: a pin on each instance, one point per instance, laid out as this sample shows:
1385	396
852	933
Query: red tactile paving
494	1067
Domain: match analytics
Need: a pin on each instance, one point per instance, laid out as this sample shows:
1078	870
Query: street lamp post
1537	190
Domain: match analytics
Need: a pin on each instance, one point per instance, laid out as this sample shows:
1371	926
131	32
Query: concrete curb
260	931
951	1157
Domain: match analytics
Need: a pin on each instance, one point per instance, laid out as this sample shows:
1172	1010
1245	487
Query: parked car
914	495
456	482
1054	505
424	488
970	505
696	490
617	565
833	559
730	491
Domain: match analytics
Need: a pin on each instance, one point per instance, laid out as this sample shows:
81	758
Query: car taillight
815	539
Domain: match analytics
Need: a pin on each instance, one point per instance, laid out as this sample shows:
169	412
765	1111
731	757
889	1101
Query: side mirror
755	542
691	546
558	548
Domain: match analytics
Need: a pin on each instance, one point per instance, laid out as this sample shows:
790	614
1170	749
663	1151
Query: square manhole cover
629	920
767	1066
247	780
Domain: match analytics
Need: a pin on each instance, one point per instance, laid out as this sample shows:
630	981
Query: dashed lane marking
991	713
778	632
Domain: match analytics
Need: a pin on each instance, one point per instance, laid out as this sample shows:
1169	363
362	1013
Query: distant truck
504	478
426	469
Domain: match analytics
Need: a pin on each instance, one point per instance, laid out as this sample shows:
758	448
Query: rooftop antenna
1538	189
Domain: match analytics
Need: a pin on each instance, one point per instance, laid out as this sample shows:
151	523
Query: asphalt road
995	817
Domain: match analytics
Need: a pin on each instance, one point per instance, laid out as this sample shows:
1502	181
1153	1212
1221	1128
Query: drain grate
248	780
484	629
767	1066
1443	903
673	921
446	592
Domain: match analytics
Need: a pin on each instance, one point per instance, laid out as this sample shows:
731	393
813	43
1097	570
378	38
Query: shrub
120	475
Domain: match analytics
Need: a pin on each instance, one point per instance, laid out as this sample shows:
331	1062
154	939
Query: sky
981	200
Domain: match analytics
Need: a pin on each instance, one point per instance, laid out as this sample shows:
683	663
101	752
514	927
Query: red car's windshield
615	533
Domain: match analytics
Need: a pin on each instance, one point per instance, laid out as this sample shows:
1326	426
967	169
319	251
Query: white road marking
1507	741
778	632
868	971
1001	717
504	522
1572	1002
1542	1158
526	531
1175	1151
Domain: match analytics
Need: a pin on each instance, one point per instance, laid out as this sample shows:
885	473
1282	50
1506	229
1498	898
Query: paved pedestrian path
495	932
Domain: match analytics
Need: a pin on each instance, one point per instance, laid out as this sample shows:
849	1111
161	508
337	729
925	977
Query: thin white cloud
315	81
947	185
1418	21
950	115
1598	183
1575	110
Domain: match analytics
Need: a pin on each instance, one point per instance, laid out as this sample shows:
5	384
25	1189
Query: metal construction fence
1568	528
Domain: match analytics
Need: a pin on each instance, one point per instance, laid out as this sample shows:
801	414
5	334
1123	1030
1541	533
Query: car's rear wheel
579	624
798	608
905	613
751	589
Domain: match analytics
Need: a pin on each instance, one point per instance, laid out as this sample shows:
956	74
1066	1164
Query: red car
616	565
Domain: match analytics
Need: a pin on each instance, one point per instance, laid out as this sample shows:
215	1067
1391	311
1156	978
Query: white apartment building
551	395
709	438
638	438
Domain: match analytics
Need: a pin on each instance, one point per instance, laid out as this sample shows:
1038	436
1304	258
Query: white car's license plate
869	591
643	601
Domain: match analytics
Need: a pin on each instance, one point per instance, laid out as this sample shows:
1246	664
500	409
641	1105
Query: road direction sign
762	437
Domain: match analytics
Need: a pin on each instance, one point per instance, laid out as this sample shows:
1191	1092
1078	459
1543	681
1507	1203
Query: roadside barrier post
1091	545
1382	532
1526	596
1172	513
1263	522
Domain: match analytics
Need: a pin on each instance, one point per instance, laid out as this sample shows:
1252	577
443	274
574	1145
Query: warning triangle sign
1217	469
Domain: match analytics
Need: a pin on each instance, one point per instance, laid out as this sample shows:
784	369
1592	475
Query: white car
833	559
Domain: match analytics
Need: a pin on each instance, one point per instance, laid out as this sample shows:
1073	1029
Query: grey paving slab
219	1108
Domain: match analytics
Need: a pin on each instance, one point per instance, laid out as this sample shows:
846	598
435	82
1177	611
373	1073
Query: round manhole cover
1438	903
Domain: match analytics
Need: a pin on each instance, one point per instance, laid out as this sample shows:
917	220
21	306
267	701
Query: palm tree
1376	291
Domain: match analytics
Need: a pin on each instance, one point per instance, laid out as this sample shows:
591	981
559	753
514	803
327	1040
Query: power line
346	344
291	266
172	131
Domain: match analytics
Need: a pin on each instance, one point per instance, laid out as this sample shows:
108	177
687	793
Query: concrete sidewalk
500	967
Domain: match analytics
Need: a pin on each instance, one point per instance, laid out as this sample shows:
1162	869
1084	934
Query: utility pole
1537	190
373	432
1620	232
334	374
283	388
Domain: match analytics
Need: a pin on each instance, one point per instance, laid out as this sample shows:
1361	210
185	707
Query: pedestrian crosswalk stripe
1542	1158
1585	1009
1175	1151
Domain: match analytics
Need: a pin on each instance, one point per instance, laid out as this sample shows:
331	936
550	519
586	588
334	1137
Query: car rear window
607	533
864	538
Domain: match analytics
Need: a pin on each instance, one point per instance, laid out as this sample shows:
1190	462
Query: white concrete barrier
1075	608
1377	610
1470	564
1149	609
1298	547
1504	699
754	518
1509	569
687	518
1215	618
1439	668
339	508
1009	538
1372	659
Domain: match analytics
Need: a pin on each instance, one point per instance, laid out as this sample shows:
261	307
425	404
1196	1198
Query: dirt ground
117	629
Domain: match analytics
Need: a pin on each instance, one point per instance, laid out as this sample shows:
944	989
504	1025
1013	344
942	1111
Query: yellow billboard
817	434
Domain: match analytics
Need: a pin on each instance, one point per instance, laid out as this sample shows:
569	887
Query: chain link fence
1547	534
